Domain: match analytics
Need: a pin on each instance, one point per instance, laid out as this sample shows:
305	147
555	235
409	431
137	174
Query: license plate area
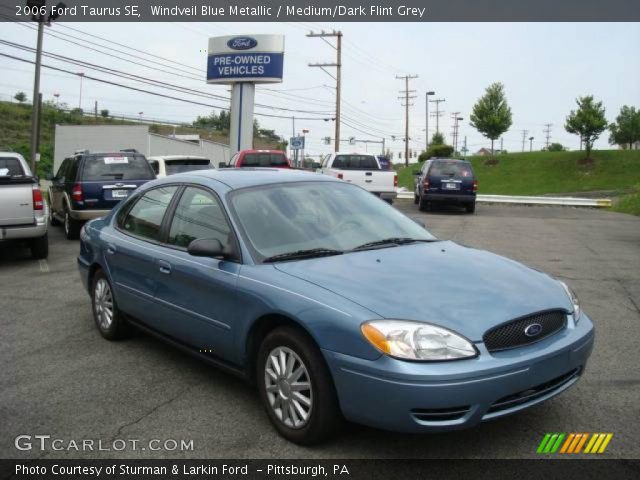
450	186
119	194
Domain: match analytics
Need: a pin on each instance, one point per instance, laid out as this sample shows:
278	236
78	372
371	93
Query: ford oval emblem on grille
242	43
533	330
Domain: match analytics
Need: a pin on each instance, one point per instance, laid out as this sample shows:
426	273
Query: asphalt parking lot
60	378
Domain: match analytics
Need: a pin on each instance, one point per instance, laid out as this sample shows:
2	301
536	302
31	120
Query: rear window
451	169
117	167
355	162
264	160
11	167
186	165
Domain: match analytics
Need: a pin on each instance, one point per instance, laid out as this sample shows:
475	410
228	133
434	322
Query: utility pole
426	128
95	110
81	75
407	97
501	144
438	113
524	138
337	77
547	132
530	144
464	149
455	118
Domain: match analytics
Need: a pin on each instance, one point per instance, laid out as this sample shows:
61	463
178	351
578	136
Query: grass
629	203
540	173
15	130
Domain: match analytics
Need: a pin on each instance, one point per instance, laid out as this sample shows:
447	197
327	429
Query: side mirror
206	247
417	173
418	221
49	176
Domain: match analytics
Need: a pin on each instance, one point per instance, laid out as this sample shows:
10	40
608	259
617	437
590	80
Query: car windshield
292	217
451	169
265	159
186	165
355	162
117	167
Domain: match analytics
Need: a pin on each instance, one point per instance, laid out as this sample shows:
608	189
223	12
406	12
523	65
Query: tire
53	221
115	326
71	226
323	416
40	247
416	199
471	207
423	205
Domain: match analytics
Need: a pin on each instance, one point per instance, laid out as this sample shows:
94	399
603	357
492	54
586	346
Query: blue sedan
333	303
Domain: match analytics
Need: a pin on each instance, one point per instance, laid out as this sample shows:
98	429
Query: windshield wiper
309	253
393	241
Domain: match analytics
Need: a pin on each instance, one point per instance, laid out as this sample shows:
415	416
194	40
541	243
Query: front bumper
418	397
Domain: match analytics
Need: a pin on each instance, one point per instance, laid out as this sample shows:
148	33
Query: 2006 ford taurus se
332	302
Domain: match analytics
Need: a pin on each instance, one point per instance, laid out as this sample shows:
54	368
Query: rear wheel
71	226
53	221
471	207
110	321
416	199
296	387
423	204
40	247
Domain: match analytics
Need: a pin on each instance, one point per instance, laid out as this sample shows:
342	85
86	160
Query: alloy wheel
288	387
103	300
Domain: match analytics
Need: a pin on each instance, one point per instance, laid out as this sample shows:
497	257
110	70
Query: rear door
107	179
16	196
56	190
451	177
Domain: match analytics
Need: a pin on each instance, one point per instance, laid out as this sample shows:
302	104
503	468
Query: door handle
164	267
111	249
368	181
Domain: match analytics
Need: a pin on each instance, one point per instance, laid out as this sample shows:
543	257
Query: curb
532	200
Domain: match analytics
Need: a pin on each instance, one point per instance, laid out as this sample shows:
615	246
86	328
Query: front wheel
296	387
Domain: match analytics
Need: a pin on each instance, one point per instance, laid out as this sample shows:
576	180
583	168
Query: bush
556	147
441	151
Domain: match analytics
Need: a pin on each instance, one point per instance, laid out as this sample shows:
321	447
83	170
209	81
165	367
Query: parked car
24	214
446	180
171	164
89	184
260	158
362	169
385	163
281	277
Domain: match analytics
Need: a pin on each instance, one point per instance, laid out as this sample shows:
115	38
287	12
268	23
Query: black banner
325	11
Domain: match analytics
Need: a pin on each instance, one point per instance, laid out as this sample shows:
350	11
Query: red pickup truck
259	158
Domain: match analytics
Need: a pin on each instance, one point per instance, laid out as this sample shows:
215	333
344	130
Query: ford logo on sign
242	43
533	330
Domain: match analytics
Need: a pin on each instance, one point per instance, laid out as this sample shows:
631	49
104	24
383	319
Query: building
72	138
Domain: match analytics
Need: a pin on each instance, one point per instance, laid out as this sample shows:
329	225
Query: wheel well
92	272
259	330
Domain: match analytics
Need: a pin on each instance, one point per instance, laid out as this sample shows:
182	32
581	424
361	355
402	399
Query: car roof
356	153
449	160
261	151
177	157
248	177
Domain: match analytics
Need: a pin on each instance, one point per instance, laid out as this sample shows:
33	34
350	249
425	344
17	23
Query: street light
426	98
530	144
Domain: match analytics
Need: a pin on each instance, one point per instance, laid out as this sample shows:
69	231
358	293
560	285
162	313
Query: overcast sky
544	67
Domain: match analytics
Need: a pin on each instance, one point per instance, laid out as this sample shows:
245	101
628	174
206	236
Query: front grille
513	334
532	394
439	414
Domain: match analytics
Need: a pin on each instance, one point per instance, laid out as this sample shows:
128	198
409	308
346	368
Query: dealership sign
245	58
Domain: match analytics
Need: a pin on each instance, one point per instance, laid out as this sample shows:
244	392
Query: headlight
577	313
416	340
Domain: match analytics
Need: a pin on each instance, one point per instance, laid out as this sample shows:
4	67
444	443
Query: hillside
540	173
15	128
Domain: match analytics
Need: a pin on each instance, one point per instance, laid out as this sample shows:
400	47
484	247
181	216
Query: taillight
475	185
425	183
395	180
340	176
38	202
76	194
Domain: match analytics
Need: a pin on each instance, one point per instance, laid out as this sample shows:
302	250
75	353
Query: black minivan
89	184
446	180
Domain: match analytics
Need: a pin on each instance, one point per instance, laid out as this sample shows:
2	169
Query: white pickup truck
23	212
364	170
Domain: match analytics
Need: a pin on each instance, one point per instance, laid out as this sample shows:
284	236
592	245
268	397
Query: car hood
457	287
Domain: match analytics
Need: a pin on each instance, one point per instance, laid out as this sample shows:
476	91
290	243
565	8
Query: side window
61	171
234	159
198	215
326	161
72	170
145	217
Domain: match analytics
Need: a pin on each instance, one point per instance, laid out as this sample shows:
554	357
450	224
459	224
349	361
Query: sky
543	66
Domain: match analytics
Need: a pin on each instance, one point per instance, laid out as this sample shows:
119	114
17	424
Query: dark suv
89	184
446	180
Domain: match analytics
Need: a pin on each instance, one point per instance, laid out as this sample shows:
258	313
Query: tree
21	97
588	121
491	114
104	113
556	147
437	139
626	129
